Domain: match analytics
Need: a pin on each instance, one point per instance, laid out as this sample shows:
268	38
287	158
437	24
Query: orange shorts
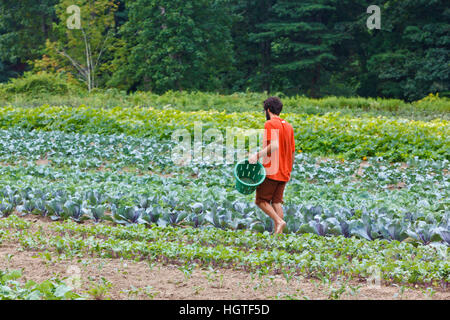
270	191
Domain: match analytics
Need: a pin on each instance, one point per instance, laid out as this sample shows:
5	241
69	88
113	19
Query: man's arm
271	147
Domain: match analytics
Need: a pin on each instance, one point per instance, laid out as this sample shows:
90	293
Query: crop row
118	151
332	133
426	199
169	210
111	151
263	253
125	166
428	108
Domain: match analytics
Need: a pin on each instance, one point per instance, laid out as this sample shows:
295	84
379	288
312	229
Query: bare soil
42	162
147	280
126	279
399	185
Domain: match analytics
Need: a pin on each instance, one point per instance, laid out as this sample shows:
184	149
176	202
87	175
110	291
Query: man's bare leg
270	211
278	209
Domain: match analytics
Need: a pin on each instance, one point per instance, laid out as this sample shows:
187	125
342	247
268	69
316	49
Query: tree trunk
88	62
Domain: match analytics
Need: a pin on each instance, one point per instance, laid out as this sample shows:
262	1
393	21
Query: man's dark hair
274	105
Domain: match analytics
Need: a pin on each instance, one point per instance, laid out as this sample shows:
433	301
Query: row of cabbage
126	165
169	210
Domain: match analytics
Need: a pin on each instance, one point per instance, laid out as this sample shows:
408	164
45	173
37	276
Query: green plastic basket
248	176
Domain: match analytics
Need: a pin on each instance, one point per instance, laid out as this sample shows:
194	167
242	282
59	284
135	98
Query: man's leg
270	211
264	193
278	209
277	201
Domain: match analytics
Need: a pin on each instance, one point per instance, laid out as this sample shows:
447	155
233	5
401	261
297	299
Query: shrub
37	84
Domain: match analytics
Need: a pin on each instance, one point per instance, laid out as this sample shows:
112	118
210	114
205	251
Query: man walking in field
278	154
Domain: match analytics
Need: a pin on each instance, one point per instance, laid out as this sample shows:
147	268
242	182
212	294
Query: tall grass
431	107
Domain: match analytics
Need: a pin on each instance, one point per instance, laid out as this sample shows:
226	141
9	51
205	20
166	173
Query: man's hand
253	159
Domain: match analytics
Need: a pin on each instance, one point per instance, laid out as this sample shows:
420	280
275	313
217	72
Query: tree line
316	48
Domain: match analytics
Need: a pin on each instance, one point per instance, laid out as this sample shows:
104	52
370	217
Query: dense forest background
316	48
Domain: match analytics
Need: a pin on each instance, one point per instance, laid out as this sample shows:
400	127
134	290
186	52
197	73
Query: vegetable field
369	194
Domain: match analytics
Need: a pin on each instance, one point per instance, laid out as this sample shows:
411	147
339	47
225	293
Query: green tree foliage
6	71
252	55
81	52
24	26
303	42
315	48
175	44
412	56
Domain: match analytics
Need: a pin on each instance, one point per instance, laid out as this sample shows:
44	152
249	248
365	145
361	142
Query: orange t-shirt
279	164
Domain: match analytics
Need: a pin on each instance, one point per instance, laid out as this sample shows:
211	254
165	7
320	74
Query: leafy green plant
36	84
425	233
56	210
187	269
12	289
100	290
5	209
127	215
74	211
